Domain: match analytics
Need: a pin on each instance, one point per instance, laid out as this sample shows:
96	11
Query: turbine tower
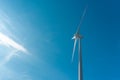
77	37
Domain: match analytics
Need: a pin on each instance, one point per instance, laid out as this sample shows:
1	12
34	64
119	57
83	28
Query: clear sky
44	29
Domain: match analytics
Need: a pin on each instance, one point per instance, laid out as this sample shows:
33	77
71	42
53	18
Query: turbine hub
77	36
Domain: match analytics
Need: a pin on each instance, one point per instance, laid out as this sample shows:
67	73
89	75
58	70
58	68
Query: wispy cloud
8	42
6	24
5	40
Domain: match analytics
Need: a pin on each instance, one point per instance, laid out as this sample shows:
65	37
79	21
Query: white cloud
5	27
11	43
8	42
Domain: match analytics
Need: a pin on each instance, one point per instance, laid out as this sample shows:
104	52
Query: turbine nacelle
77	36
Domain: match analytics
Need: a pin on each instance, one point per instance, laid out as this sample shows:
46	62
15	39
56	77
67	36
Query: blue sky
45	27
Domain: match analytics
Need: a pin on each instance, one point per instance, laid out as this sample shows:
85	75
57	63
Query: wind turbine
77	37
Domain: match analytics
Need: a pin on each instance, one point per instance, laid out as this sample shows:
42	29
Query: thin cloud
8	42
11	43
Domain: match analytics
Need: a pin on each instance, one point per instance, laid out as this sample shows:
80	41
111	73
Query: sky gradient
45	29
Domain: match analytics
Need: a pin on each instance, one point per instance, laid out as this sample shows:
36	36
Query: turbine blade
74	49
81	19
